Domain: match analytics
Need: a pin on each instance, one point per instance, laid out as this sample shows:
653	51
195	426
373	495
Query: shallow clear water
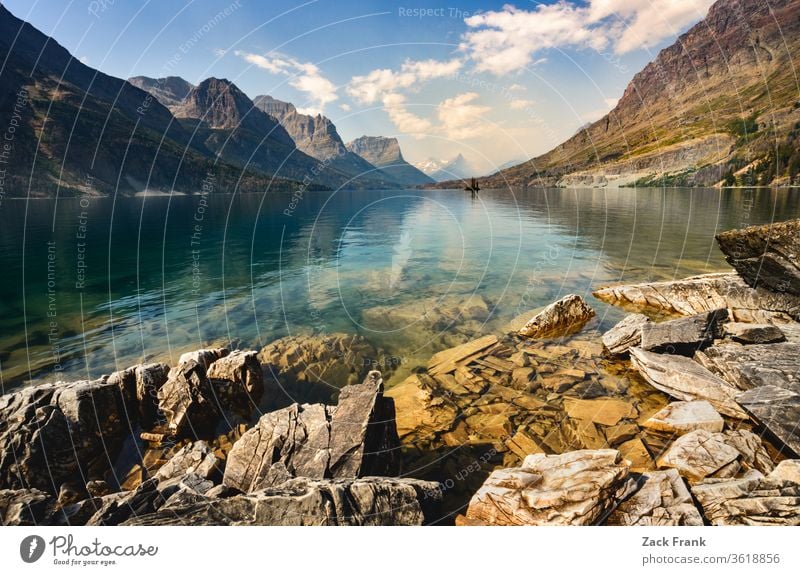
163	275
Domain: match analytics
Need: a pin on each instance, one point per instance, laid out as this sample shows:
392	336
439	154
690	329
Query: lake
97	284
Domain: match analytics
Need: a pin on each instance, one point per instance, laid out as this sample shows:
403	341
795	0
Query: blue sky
492	80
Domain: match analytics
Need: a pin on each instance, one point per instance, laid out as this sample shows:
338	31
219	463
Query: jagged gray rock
356	438
685	379
238	380
685	335
767	255
575	488
749	366
25	507
197	458
187	401
51	432
662	499
625	335
563	317
303	501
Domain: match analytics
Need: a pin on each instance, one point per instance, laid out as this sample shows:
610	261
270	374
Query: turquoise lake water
92	285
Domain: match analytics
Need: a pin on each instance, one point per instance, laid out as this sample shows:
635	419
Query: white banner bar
400	550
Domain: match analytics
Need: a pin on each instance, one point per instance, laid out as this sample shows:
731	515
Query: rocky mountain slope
170	91
443	171
70	127
317	136
719	106
385	153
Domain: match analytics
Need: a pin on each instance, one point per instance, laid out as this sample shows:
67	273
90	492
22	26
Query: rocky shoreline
684	413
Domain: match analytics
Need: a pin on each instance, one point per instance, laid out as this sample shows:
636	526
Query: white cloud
345	107
520	104
305	77
405	121
378	83
507	40
516	88
460	117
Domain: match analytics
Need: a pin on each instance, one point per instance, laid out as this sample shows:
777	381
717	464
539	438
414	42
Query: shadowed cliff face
75	128
720	97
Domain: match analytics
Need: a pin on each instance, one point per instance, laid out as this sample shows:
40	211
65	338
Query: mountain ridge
385	153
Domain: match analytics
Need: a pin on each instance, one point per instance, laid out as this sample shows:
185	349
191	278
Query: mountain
317	137
170	91
445	170
720	105
385	153
73	128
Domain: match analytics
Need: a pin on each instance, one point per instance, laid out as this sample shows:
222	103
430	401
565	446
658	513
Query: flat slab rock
701	454
303	501
625	335
751	500
685	335
685	379
563	317
681	417
704	293
750	366
767	255
662	499
741	332
778	410
575	488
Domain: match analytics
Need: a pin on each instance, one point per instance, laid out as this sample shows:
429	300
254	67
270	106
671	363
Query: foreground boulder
567	315
353	439
52	433
576	488
662	499
751	500
750	366
238	381
705	293
754	333
685	379
767	255
685	335
702	454
303	501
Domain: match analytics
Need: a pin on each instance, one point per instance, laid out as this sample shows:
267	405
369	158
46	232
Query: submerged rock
576	488
681	417
685	335
767	255
685	379
353	439
662	499
705	293
303	501
311	369
625	335
567	315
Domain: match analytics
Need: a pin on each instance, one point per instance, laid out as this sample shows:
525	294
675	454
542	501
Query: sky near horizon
495	81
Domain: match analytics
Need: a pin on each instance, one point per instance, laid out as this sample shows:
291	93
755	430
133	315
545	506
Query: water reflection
143	278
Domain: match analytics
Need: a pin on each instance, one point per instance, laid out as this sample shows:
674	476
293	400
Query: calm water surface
95	285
